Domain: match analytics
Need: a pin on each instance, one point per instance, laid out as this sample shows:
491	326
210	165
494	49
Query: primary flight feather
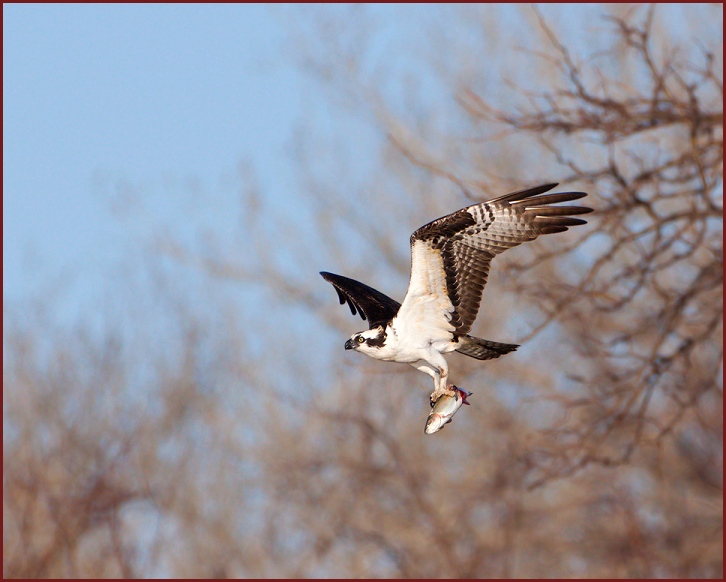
450	259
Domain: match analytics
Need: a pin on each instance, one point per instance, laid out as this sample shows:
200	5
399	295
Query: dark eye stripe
378	341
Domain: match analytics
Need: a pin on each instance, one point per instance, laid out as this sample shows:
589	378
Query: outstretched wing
450	257
372	305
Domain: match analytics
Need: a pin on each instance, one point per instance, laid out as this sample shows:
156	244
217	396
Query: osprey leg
439	374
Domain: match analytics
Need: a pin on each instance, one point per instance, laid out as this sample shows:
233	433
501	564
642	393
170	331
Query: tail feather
482	349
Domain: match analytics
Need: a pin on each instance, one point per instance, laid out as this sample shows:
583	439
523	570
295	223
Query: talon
443	409
450	390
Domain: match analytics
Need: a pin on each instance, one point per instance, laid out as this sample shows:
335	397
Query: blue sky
119	119
111	110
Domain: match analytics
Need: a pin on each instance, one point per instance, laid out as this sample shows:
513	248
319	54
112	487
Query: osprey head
367	341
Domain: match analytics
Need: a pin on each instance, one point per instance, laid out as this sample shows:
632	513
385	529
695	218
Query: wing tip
553	198
558	220
526	193
553	229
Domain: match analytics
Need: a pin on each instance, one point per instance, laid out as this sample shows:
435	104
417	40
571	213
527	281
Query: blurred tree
595	450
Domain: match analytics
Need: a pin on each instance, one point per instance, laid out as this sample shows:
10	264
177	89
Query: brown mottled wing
372	305
451	256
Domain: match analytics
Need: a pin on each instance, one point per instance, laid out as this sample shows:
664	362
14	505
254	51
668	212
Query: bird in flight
450	259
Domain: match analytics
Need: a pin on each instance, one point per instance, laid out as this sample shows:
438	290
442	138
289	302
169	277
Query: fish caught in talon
444	408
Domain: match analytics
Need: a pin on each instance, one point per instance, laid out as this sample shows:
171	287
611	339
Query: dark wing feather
372	305
470	238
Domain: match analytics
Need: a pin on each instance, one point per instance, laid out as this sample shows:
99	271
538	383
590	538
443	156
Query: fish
444	408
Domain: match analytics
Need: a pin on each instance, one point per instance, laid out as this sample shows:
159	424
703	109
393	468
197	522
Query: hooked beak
349	345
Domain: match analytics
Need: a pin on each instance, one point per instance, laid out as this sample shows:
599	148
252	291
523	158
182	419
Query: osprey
450	260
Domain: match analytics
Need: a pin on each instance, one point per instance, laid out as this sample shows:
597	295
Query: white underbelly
411	349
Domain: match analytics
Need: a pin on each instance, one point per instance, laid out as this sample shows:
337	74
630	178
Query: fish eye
360	339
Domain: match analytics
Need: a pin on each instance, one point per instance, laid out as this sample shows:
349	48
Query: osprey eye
360	339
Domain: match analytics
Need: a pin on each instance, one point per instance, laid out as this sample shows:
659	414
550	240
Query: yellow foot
450	390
